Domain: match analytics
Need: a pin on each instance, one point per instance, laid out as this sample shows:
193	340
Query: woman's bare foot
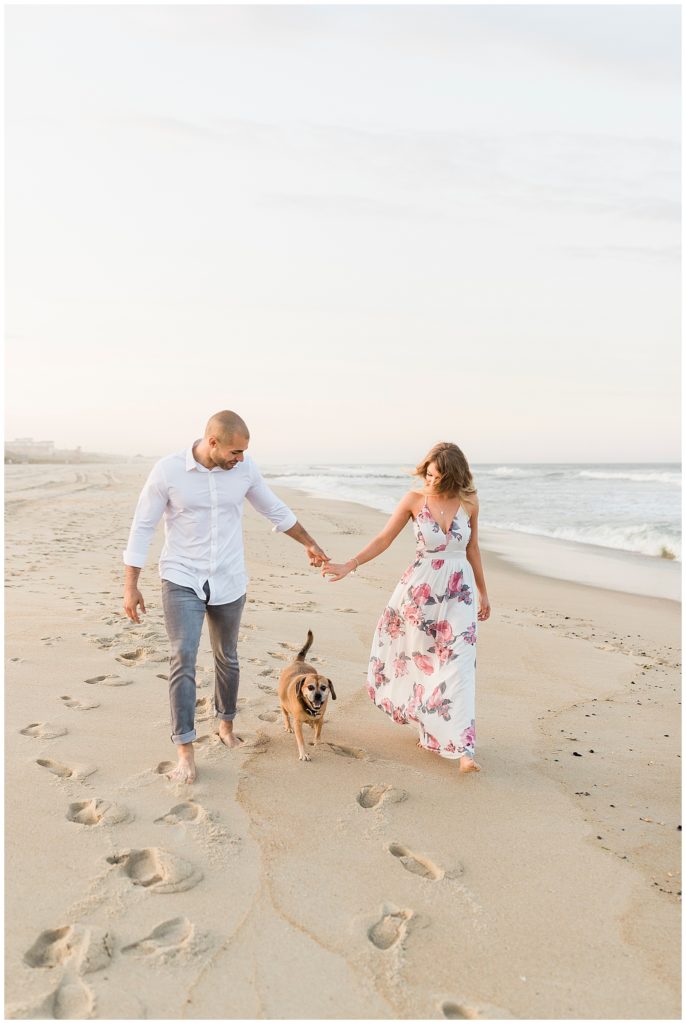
468	764
185	770
226	734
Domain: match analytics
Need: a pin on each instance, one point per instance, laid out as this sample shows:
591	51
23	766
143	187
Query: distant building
27	448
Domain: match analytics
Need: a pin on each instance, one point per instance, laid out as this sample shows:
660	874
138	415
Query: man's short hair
225	425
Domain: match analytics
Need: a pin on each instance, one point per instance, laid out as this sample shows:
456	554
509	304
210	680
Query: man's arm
315	554
264	501
151	505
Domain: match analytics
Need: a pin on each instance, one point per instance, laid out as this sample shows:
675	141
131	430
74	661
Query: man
200	493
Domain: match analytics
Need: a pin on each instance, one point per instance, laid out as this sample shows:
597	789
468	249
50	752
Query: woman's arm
403	512
474	559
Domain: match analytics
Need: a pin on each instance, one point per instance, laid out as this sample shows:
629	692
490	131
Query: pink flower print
437	563
399	716
394	624
376	667
400	666
454	583
470	634
458	589
387	706
421	594
443	653
450	748
437	702
408	572
371	691
411	613
442	631
430	741
415	701
468	737
423	663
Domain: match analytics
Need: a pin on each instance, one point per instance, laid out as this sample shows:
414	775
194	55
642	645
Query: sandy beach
374	881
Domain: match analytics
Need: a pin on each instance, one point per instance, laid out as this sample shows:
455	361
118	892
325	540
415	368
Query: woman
423	661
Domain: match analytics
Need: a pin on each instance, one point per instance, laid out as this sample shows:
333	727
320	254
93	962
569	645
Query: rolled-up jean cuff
185	737
226	718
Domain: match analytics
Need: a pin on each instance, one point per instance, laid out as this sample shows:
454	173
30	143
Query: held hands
337	572
132	599
316	556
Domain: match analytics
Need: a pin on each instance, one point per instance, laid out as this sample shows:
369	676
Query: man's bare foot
227	735
185	770
468	764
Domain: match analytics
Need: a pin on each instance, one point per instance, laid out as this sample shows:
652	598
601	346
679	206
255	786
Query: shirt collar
190	458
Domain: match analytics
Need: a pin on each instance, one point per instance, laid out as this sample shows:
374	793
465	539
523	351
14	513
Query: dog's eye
310	687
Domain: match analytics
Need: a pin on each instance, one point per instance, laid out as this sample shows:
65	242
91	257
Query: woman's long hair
453	468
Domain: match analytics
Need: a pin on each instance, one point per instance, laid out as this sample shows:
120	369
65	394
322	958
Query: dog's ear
333	692
298	684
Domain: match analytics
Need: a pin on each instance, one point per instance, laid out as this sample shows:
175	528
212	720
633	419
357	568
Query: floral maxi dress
422	667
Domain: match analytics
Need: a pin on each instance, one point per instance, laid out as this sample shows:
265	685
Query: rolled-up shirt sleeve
264	501
151	505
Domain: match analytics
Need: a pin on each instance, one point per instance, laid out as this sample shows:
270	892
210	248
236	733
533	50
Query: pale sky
365	229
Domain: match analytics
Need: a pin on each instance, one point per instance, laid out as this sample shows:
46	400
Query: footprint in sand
374	796
267	689
92	812
265	672
351	611
167	938
64	771
204	709
269	716
417	865
254	743
43	731
157	869
138	657
73	1000
161	675
461	1011
112	680
455	1011
278	655
164	767
188	810
390	929
209	741
79	705
353	752
84	949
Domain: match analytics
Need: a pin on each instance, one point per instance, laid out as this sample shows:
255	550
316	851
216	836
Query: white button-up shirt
203	512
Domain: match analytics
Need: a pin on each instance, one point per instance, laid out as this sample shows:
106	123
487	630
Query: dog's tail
300	656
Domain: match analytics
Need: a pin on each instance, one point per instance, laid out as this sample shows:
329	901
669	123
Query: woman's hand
484	608
337	572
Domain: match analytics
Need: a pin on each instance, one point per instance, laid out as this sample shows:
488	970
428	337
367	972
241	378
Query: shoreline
554	558
545	887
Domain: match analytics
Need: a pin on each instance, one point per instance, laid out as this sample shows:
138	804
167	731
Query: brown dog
304	695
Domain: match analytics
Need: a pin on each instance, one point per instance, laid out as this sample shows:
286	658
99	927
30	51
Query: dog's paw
288	728
305	757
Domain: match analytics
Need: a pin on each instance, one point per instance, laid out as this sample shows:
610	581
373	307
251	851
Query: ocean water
626	507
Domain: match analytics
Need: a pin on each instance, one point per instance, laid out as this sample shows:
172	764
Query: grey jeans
184	614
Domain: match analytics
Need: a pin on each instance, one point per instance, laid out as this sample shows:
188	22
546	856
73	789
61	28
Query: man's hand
132	599
316	556
314	552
